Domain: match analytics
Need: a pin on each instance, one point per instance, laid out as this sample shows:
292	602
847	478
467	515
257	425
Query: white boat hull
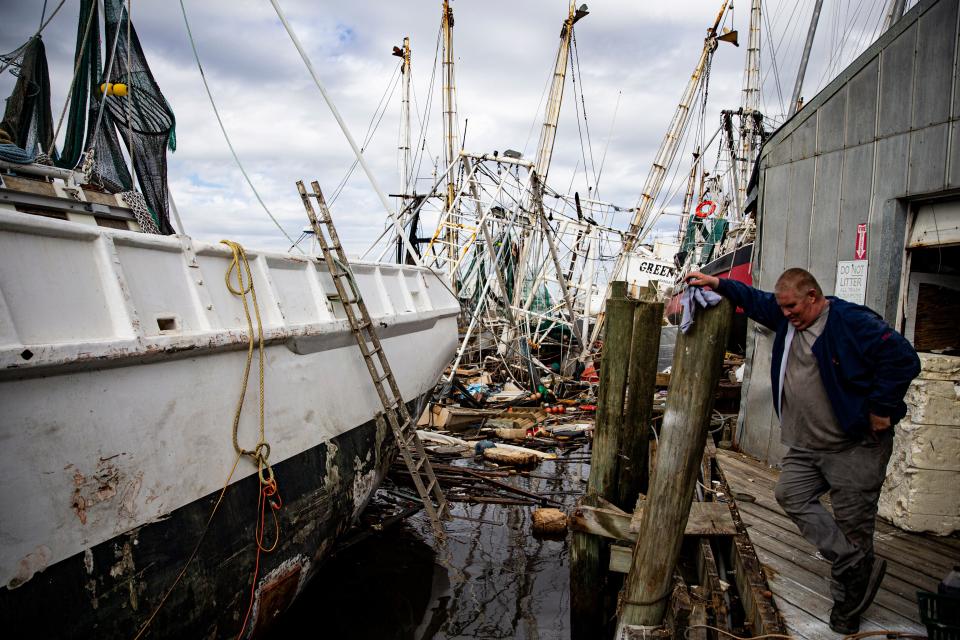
121	359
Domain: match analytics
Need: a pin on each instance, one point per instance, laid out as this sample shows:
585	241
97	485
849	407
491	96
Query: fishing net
142	116
88	74
27	121
702	238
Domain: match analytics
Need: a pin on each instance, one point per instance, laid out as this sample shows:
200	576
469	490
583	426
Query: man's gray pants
853	478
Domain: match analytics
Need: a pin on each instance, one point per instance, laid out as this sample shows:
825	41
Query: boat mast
662	161
405	122
670	143
750	105
406	179
548	133
811	32
894	13
450	129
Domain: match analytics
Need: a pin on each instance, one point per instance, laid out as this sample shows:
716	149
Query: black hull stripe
110	590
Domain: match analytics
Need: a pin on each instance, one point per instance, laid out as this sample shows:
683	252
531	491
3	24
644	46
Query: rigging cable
536	117
425	118
106	94
576	109
216	112
129	100
372	127
73	83
613	120
43	25
661	198
385	203
586	123
773	62
837	55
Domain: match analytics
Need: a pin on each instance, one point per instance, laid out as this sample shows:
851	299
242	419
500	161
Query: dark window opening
111	223
933	299
46	213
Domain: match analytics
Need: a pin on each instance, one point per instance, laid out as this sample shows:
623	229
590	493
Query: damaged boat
129	507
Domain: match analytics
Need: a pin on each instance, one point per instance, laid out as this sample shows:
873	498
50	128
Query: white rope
106	94
73	83
226	137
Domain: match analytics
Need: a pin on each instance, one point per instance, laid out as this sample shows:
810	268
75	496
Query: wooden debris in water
549	521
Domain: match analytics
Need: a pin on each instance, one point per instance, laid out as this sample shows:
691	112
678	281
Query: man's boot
861	583
842	621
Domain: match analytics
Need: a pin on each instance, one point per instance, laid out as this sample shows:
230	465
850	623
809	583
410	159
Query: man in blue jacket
839	374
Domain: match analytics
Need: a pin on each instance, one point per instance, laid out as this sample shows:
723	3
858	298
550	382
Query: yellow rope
261	452
240	266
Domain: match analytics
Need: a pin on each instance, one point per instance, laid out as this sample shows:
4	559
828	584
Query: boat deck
799	576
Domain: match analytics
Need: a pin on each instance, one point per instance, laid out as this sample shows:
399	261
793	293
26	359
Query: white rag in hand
689	300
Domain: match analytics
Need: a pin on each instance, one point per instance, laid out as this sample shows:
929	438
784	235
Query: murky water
495	580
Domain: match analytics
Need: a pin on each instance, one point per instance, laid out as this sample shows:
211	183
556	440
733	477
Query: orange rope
268	490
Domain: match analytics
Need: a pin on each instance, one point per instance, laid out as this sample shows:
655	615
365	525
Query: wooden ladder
394	408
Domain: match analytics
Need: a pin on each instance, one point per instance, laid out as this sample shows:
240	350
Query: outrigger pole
662	161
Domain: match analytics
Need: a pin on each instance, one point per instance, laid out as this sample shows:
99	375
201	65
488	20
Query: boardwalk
799	577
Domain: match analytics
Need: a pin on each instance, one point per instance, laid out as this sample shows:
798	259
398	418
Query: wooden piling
641	385
588	555
610	397
697	365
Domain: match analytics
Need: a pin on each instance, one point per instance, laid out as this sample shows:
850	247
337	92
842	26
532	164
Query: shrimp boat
122	356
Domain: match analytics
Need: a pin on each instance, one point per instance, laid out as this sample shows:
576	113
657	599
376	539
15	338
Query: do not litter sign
852	280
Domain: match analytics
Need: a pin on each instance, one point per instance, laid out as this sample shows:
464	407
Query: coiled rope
268	493
239	280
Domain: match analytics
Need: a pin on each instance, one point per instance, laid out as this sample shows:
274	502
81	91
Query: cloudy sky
634	60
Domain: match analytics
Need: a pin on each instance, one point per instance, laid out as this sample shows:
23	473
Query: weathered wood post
604	462
697	364
587	555
641	385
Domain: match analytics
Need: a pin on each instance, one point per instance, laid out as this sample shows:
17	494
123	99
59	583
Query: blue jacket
865	365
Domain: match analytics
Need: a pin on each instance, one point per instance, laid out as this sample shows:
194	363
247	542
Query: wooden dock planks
799	577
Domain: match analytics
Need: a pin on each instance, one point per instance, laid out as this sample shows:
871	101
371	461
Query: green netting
27	119
88	73
143	118
704	235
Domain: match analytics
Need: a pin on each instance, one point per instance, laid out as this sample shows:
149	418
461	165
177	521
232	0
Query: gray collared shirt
806	416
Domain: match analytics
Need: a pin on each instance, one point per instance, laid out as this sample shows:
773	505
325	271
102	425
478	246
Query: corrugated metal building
877	151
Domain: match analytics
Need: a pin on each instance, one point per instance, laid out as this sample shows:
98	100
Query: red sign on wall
860	249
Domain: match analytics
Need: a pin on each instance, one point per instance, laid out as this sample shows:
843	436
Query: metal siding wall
896	83
804	143
776	194
855	195
885	133
862	111
928	159
760	424
797	251
832	121
760	421
935	47
889	183
953	158
955	111
825	223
